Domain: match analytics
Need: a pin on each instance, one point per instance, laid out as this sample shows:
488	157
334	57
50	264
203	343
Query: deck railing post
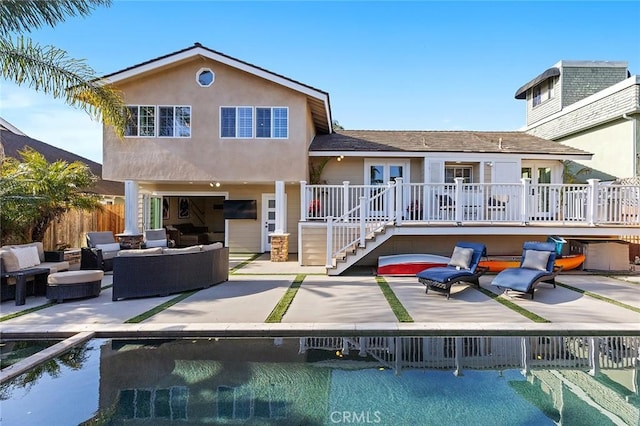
303	201
399	203
329	263
525	204
594	356
363	220
389	201
345	199
592	206
459	209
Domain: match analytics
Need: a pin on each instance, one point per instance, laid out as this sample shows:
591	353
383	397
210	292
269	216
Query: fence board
73	226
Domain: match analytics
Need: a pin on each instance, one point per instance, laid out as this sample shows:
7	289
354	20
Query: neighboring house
219	143
13	140
590	105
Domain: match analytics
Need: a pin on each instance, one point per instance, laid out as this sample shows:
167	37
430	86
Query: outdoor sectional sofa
163	271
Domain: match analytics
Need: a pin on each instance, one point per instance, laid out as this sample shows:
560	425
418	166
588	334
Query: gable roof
318	99
441	141
13	143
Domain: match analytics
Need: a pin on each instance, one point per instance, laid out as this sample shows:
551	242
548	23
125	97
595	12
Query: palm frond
26	15
50	70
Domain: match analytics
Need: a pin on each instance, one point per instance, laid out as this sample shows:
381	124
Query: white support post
525	354
459	345
594	356
345	199
131	208
592	206
329	262
459	202
280	209
363	221
525	202
304	203
390	203
399	203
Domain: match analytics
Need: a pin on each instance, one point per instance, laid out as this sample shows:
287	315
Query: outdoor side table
40	275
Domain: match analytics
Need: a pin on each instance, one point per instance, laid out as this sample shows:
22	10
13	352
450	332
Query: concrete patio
583	301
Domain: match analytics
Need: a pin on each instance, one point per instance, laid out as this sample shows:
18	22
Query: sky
419	65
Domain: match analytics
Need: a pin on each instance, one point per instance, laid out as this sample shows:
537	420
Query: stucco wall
205	156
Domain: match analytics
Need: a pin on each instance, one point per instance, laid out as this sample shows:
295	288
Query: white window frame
138	124
546	91
455	174
237	123
272	126
213	77
175	127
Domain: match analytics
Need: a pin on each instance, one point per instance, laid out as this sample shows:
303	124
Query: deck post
329	262
398	207
459	209
131	207
363	221
594	356
345	199
303	201
592	206
526	201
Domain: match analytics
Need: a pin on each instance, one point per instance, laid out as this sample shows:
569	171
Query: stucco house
250	157
590	105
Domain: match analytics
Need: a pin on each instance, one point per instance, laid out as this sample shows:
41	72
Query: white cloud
51	121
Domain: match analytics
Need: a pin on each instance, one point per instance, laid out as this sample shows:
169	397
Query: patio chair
157	238
101	249
536	266
463	267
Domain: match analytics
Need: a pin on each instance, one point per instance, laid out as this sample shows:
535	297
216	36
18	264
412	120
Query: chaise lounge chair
536	266
463	267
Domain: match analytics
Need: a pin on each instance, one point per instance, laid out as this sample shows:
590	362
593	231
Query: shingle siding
581	82
592	114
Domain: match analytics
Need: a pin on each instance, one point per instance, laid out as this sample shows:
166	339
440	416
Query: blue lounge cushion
444	274
518	279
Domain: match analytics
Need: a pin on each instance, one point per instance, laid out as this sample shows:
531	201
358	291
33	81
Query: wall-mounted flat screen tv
240	209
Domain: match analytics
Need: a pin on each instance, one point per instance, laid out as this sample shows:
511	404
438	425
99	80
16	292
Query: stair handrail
366	224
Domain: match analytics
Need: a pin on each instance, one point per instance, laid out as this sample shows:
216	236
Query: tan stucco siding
205	156
618	159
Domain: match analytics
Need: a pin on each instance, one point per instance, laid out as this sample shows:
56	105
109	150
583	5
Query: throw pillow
156	243
534	259
461	257
108	247
27	256
9	260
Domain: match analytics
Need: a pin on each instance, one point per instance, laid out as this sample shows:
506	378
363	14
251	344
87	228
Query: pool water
325	381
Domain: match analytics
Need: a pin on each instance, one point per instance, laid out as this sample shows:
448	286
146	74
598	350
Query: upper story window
236	122
142	121
543	92
174	121
272	122
450	173
205	77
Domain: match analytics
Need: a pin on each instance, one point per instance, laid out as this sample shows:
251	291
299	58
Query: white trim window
236	122
543	92
174	121
451	172
142	121
272	122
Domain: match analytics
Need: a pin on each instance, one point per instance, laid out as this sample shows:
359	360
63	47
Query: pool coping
238	330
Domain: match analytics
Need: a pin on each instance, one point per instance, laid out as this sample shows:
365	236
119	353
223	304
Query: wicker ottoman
74	284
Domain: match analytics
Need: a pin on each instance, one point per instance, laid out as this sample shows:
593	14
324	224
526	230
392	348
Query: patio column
280	208
279	237
131	208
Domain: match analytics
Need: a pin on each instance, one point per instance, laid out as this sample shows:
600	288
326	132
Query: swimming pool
333	380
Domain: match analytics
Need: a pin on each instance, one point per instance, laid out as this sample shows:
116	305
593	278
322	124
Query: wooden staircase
347	258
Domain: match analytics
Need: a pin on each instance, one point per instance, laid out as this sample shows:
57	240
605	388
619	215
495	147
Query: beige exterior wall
614	144
313	244
205	156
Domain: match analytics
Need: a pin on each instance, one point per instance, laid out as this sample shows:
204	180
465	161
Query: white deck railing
354	212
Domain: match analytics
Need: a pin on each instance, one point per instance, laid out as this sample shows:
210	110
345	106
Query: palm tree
35	192
50	70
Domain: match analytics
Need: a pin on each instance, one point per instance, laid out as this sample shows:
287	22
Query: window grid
175	121
450	173
141	121
263	122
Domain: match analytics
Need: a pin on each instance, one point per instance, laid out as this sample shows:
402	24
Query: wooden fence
73	226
